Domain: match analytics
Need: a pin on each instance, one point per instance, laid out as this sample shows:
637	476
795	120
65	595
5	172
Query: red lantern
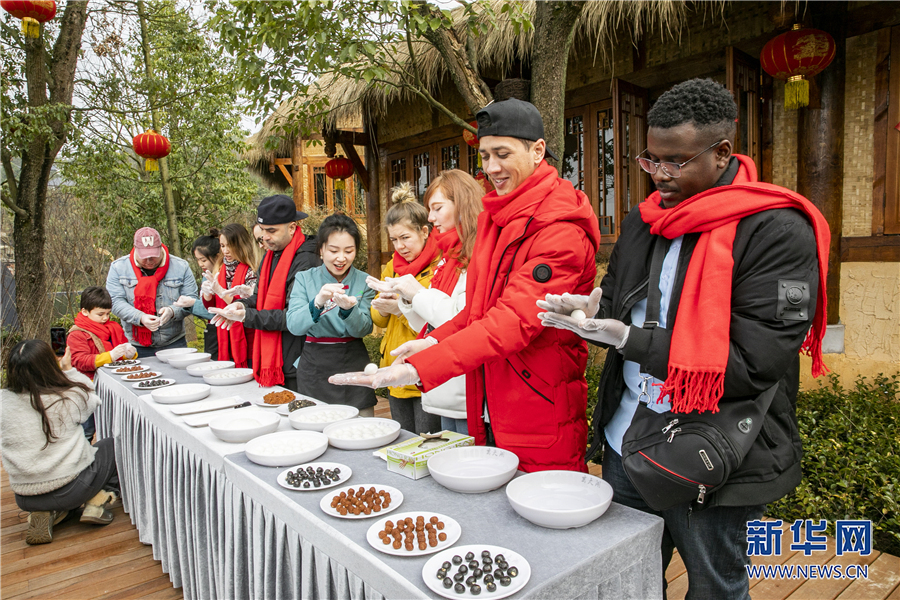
484	181
471	138
152	146
794	55
339	169
32	13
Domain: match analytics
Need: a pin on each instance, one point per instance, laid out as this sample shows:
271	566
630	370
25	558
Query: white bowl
180	394
264	449
305	418
559	499
165	355
228	376
473	469
183	362
201	369
243	425
338	433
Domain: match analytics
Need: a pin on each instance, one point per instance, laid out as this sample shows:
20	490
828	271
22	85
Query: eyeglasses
670	169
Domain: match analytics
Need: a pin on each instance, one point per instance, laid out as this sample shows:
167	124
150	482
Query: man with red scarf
741	291
275	349
525	385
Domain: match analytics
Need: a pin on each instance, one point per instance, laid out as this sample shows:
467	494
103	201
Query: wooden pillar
297	171
820	147
373	209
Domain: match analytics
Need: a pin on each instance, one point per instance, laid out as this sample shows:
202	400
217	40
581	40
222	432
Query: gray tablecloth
223	528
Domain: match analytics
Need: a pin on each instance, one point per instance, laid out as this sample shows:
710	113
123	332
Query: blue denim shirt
179	281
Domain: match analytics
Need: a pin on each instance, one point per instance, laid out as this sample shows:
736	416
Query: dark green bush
851	461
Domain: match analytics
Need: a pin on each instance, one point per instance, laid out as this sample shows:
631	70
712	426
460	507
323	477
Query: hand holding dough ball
578	315
370	369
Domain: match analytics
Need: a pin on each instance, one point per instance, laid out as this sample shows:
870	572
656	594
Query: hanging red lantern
795	55
32	13
151	146
339	169
485	182
470	138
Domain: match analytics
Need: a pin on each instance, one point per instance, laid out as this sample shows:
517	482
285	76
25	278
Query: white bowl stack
183	362
473	469
559	499
165	355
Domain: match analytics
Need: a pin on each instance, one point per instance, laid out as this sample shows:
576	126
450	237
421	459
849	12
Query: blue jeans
457	425
712	542
150	351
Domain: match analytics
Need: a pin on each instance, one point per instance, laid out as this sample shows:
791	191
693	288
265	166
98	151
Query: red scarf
110	333
232	342
402	267
447	272
267	357
700	341
145	295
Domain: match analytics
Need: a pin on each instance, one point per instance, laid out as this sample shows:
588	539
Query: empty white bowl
204	368
179	394
473	469
341	434
559	499
228	376
286	448
165	355
243	425
317	418
184	361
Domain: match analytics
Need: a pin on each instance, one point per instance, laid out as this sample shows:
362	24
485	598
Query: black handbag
672	458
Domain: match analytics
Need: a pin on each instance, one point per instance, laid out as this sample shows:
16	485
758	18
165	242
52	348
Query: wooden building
842	151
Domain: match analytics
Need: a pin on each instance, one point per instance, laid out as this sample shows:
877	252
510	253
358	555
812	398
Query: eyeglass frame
665	171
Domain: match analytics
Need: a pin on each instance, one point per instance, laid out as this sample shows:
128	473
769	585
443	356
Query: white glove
166	314
387	304
184	302
235	312
210	285
406	287
344	301
119	351
327	293
378	285
239	291
605	331
566	303
404	351
151	322
130	351
396	375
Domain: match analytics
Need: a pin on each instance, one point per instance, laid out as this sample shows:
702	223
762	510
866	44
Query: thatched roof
599	25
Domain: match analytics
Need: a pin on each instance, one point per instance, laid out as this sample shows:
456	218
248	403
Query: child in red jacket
94	340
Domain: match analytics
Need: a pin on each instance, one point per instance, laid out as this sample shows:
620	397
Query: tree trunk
554	30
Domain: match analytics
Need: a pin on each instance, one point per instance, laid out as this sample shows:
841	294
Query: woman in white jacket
453	201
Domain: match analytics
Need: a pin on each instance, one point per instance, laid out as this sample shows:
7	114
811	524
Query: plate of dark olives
476	570
315	476
152	384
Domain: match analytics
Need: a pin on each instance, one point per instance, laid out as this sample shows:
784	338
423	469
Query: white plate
431	566
167	383
255	450
451	528
282	409
164	355
338	411
238	376
396	501
473	469
184	361
239	426
179	394
120	372
201	369
345	474
333	432
559	499
258	400
134	362
154	375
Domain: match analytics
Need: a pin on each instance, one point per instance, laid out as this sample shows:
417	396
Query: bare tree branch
10	176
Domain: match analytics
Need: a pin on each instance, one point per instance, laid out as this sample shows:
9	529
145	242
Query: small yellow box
410	457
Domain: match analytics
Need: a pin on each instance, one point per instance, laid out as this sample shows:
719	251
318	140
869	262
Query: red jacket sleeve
84	352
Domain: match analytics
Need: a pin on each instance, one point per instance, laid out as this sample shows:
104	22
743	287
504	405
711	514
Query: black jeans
100	475
408	412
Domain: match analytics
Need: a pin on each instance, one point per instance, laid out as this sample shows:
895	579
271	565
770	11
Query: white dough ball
371	369
578	315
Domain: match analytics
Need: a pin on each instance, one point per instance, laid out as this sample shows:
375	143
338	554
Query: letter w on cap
147	240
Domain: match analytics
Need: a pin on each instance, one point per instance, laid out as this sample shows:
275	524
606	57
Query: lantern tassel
338	184
796	93
151	165
31	27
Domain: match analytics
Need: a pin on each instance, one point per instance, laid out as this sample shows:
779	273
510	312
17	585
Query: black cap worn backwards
278	209
512	118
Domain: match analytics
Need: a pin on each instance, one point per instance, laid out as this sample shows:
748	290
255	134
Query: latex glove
226	317
166	314
386	303
327	293
210	285
119	351
151	322
65	361
239	291
130	351
344	301
404	351
406	287
378	285
564	304
604	331
396	375
184	302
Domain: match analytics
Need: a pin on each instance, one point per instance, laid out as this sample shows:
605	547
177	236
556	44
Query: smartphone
58	340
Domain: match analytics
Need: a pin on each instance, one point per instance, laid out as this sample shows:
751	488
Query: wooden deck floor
86	561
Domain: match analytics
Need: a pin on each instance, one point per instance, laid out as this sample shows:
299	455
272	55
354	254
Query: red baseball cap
147	243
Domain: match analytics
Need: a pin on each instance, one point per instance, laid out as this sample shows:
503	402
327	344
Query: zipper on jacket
505	250
533	389
626	307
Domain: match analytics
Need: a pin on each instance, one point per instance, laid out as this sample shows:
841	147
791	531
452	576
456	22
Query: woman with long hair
52	468
208	254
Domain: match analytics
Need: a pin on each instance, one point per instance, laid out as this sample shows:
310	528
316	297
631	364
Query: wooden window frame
435	159
354	201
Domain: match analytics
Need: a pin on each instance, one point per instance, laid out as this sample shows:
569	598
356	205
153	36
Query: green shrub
373	345
851	460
